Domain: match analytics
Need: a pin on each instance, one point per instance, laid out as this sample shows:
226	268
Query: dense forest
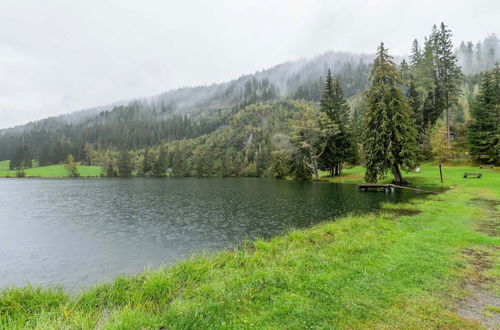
292	120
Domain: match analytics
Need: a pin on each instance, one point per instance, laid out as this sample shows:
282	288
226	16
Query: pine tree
22	158
160	165
416	54
405	72
484	130
280	164
449	73
125	165
328	94
424	78
340	146
390	132
147	163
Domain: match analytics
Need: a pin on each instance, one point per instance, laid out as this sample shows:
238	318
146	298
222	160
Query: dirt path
483	304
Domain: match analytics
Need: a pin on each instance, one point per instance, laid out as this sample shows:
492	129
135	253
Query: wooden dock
388	187
375	186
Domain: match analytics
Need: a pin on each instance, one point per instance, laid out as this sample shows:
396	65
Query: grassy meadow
428	175
51	171
411	265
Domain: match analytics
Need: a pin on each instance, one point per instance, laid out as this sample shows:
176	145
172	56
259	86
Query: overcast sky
61	56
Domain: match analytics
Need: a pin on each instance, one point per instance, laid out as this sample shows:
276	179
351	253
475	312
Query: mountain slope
182	113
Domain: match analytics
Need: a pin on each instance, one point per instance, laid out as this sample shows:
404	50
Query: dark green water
76	232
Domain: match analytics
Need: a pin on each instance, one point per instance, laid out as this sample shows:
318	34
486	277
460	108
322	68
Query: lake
77	232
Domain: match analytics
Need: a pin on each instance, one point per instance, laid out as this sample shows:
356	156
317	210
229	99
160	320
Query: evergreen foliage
160	165
449	74
390	133
340	148
147	164
21	159
125	165
432	82
484	130
281	163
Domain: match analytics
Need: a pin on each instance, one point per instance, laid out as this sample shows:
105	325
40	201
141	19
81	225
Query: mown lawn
4	165
361	272
428	175
51	171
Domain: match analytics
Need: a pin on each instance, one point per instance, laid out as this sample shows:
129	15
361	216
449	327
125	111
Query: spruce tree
280	163
416	54
160	165
390	132
484	130
449	74
328	94
339	147
147	163
125	165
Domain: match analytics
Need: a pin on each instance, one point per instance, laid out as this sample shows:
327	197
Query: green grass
4	165
428	176
359	272
51	171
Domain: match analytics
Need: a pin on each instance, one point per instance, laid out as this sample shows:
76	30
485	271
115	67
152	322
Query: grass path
378	271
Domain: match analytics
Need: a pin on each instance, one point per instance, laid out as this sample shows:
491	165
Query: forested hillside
181	113
290	120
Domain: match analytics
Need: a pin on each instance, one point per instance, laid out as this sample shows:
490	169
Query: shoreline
369	271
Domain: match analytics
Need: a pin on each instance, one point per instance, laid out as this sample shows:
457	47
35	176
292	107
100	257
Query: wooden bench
475	175
486	166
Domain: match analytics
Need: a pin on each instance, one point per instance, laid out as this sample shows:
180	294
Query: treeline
21	159
484	129
181	113
481	56
122	127
399	115
285	138
354	78
242	148
432	81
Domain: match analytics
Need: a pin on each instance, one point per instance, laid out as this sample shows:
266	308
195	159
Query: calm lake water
76	232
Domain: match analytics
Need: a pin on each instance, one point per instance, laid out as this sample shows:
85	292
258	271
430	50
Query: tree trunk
331	170
315	168
398	178
448	130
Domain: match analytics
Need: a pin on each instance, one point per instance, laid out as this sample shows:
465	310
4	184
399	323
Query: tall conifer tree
340	147
390	131
484	130
449	74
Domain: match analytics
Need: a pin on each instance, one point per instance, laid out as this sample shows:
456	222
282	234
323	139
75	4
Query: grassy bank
51	171
377	271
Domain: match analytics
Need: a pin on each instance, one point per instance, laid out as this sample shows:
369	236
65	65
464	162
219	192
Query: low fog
60	56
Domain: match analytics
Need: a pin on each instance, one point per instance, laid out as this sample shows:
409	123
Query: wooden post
441	172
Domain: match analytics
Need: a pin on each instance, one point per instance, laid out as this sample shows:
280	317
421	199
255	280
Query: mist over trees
484	129
480	56
181	113
291	120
